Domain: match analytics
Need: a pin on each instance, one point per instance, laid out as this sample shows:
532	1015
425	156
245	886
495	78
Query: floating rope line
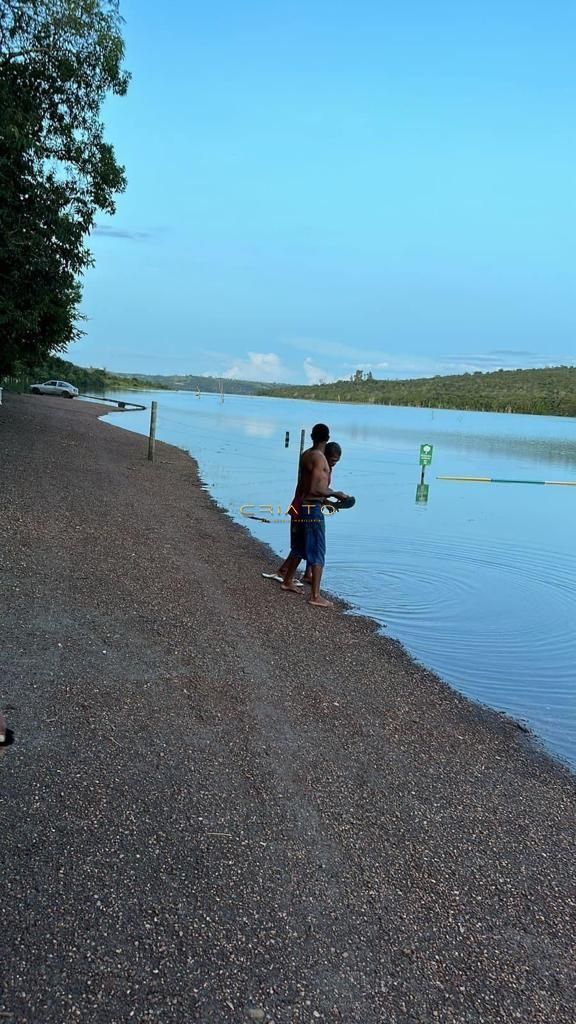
497	480
119	402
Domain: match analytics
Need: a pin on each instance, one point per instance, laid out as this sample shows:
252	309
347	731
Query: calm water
479	584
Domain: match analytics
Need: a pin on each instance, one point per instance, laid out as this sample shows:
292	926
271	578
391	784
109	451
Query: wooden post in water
302	439
152	436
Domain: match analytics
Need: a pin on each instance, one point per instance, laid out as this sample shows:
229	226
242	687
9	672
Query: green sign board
426	454
422	494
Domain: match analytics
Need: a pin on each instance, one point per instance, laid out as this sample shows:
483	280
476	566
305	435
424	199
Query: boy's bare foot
320	602
291	587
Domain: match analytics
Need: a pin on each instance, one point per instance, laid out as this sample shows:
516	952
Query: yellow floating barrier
498	480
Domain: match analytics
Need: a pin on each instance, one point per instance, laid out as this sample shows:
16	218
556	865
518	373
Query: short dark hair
332	448
320	433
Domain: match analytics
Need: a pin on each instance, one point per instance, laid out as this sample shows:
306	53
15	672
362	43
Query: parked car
55	387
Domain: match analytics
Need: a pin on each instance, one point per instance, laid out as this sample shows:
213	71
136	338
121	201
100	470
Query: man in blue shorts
308	535
333	453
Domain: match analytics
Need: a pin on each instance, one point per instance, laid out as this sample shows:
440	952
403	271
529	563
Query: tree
59	59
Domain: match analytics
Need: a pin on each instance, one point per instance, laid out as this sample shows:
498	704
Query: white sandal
279	579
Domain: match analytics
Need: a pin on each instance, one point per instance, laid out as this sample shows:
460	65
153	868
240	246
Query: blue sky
319	186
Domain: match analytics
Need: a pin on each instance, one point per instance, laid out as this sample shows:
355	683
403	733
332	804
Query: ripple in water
482	617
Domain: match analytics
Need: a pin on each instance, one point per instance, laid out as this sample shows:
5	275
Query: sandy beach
221	805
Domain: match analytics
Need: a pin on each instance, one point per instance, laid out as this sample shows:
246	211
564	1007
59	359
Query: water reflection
561	451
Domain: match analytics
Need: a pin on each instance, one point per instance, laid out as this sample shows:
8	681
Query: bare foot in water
320	602
291	587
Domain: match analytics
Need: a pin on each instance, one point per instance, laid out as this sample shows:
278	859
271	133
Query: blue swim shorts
308	535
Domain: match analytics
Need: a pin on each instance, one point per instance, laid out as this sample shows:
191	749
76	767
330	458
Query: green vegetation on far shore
91	379
191	381
543	392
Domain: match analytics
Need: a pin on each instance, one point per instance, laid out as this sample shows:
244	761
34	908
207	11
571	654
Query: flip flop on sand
279	579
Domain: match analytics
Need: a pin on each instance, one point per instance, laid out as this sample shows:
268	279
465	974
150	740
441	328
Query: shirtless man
333	453
308	538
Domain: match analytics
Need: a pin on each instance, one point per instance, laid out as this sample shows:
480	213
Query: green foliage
87	380
100	381
548	392
58	61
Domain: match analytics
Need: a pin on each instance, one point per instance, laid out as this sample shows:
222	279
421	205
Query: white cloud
355	356
266	366
314	374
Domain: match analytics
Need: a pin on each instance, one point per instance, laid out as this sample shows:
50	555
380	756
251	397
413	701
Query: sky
317	187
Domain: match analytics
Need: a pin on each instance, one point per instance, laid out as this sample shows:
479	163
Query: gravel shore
221	805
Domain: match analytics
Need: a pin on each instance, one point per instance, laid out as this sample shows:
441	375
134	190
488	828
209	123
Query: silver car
55	387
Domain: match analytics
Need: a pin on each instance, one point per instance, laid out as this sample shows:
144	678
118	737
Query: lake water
479	584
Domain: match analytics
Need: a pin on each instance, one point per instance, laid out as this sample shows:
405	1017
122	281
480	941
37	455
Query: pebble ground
221	805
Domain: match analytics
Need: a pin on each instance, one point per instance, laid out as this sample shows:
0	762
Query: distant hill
546	392
94	379
190	381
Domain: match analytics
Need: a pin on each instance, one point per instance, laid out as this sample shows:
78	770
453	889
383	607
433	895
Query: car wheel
65	394
36	391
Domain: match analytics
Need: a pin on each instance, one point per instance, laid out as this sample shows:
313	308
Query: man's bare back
314	478
314	471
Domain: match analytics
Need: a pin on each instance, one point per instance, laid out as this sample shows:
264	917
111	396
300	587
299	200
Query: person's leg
281	571
316	598
292	563
297	543
281	574
294	535
307	577
315	554
293	538
274	576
